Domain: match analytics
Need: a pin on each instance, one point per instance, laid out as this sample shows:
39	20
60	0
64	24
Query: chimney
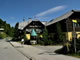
29	20
23	18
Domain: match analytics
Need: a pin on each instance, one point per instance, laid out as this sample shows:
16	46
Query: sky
13	11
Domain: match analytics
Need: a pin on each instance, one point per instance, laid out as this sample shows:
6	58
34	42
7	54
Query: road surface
8	52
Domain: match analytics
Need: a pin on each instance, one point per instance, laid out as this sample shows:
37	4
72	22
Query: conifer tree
45	36
59	34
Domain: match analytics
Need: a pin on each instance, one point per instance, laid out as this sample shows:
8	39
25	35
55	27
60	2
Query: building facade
29	26
67	24
65	21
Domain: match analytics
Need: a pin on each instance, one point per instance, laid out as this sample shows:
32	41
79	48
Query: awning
33	33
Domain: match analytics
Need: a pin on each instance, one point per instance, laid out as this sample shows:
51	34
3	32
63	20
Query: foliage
40	42
75	55
45	36
71	51
77	45
59	37
7	28
3	35
64	50
68	48
16	35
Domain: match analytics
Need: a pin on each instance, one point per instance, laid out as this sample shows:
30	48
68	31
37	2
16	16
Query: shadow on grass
48	53
64	52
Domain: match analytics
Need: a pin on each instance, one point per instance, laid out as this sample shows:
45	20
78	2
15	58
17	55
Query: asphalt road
8	52
42	52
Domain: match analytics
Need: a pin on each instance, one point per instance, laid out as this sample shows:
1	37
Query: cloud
12	18
44	17
52	10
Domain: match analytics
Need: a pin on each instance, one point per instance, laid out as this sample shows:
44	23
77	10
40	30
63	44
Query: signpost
74	34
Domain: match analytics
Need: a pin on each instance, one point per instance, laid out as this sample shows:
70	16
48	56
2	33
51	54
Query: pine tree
8	30
59	34
45	36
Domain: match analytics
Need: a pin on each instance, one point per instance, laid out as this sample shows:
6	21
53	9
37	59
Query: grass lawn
60	51
74	55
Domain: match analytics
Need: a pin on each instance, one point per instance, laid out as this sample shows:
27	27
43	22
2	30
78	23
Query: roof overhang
65	16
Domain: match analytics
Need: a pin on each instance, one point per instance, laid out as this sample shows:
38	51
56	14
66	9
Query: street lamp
74	34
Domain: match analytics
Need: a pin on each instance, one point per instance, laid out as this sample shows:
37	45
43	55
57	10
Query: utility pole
67	29
74	34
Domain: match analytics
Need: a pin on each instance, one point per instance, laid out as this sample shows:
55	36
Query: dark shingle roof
23	24
68	14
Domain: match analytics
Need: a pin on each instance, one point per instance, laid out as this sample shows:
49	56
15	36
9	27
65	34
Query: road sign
75	21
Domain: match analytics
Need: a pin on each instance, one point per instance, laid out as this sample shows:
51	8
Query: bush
40	42
45	36
59	37
77	44
68	48
27	42
50	42
3	35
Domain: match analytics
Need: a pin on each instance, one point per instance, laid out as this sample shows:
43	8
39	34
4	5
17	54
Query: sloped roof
23	24
44	23
68	14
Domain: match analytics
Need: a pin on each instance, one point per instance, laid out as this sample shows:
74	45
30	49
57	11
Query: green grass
74	55
61	51
19	41
45	45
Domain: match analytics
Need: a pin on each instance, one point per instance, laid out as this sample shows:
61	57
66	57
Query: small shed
1	30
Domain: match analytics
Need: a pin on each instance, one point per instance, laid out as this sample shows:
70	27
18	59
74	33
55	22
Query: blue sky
13	11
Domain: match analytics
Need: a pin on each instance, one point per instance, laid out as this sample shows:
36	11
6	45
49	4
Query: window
77	24
38	30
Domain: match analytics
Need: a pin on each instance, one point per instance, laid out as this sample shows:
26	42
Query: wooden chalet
28	26
66	24
38	26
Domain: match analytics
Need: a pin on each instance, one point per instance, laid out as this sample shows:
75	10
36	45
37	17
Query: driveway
43	52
